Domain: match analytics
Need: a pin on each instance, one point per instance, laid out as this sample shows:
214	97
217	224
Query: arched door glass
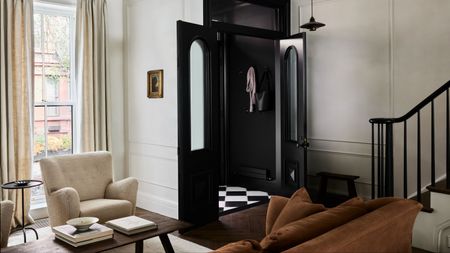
197	96
292	94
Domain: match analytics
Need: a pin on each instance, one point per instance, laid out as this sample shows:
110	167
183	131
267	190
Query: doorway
222	144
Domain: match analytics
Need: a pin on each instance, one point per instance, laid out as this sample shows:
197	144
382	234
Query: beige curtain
91	74
16	98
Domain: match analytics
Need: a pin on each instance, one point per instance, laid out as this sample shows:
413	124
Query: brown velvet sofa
296	225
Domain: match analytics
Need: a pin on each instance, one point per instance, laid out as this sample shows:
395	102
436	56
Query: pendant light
312	25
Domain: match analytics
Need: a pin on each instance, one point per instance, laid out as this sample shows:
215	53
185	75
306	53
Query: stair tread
437	189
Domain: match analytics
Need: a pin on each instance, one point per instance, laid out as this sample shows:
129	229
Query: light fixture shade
312	25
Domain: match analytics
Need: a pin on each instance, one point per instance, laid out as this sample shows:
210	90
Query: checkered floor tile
231	197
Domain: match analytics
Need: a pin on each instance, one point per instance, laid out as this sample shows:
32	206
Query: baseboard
157	204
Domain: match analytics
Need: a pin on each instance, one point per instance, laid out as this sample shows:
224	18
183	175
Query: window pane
59	131
39	130
37	32
56	58
197	87
291	78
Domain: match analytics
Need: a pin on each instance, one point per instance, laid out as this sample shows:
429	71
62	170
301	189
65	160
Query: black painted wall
251	135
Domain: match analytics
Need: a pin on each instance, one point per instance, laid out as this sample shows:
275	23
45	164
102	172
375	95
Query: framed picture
155	83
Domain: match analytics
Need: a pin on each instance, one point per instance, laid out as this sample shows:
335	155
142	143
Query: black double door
200	121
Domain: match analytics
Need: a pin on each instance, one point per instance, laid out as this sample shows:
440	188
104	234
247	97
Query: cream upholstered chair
81	185
7	208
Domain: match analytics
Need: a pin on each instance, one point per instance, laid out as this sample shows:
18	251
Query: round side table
25	184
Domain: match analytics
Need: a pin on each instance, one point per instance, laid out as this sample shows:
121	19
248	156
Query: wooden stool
324	176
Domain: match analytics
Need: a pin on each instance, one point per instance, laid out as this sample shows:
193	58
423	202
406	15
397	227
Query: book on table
96	232
131	225
89	241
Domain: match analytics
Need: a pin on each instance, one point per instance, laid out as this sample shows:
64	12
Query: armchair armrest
123	189
63	205
7	212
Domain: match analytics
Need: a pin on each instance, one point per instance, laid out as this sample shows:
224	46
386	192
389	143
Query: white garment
251	87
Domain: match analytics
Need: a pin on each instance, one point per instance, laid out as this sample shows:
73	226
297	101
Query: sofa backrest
386	229
88	173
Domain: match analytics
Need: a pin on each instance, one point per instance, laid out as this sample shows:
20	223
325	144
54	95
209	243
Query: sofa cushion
105	209
309	227
374	204
276	205
244	246
356	201
297	207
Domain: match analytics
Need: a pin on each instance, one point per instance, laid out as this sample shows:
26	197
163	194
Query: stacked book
70	235
131	225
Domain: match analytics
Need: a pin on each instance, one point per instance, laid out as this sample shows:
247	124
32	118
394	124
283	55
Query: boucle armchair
7	211
81	185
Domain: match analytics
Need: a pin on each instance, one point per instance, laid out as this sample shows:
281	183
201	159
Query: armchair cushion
106	209
7	210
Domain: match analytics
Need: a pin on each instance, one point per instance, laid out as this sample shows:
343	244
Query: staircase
431	186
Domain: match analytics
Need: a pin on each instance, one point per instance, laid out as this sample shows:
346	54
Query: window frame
68	9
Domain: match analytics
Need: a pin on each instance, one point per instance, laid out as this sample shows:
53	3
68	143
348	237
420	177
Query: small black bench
324	176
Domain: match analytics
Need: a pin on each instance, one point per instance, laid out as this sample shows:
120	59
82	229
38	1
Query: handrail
383	147
417	108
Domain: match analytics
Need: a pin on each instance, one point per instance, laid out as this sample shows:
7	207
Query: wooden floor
246	224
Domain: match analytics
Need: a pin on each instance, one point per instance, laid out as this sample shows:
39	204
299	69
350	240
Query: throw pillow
299	206
276	205
310	227
244	246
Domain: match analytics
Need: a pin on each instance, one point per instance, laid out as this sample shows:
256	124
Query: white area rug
152	245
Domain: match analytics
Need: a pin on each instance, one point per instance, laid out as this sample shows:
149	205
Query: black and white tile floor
231	197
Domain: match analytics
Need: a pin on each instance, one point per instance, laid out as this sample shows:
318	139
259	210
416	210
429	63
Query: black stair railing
383	148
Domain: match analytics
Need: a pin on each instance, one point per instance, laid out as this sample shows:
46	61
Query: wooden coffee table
165	225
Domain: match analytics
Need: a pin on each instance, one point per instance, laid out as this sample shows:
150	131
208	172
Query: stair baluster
419	161
383	146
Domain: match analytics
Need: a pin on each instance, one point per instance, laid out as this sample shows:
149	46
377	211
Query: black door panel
293	111
198	158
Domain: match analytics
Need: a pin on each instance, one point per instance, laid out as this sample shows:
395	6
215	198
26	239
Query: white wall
152	123
372	59
116	60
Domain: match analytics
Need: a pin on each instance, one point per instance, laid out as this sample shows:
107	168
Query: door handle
304	144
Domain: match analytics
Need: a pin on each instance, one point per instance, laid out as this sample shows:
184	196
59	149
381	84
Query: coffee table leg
139	246
166	243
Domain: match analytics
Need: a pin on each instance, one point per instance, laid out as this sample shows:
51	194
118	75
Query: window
54	96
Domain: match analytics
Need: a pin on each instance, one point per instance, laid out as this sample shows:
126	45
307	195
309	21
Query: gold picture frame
155	83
